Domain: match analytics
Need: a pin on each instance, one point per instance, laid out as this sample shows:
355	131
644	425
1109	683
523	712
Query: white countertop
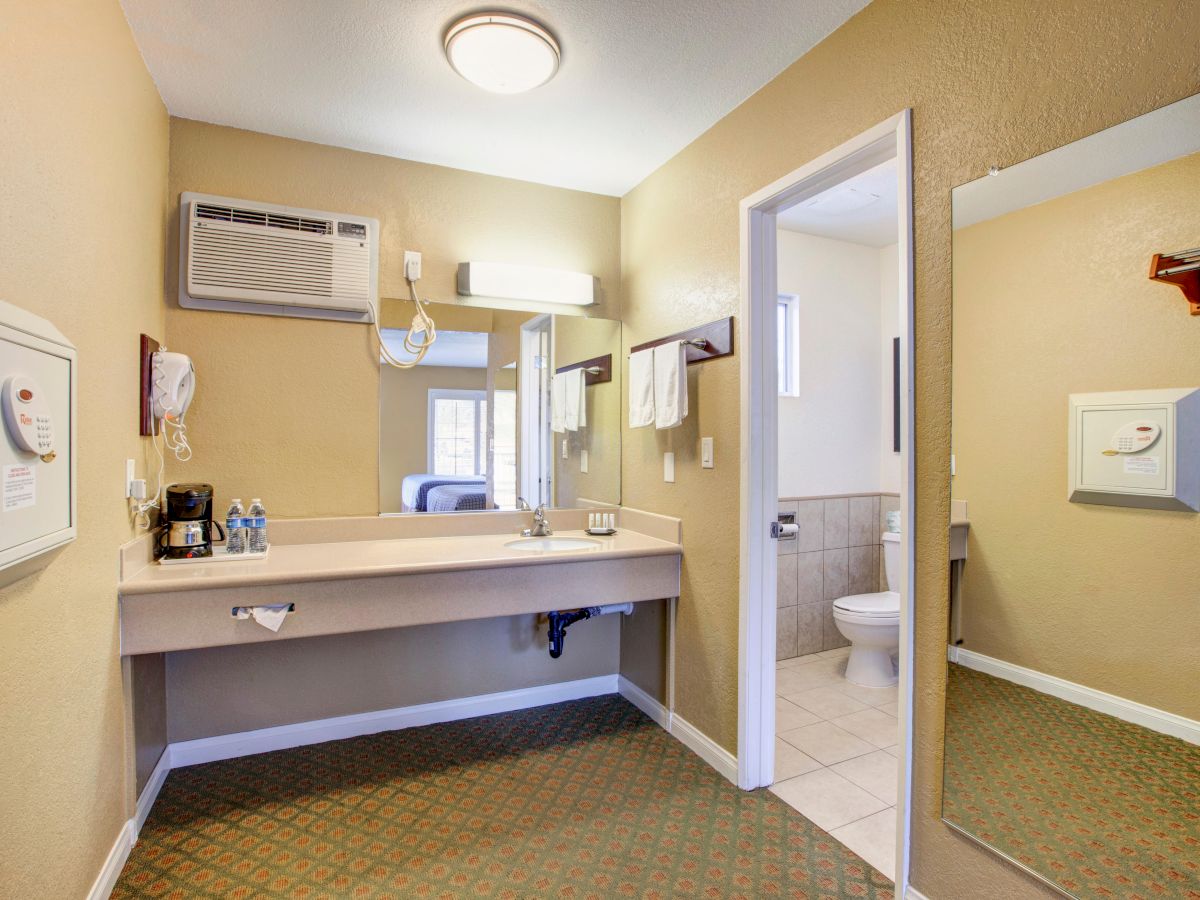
293	563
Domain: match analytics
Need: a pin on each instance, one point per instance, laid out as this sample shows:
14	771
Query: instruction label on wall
1141	465
19	487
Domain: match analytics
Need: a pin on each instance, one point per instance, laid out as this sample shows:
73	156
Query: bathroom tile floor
836	753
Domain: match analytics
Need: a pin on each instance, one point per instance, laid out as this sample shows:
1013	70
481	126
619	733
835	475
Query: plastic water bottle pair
246	532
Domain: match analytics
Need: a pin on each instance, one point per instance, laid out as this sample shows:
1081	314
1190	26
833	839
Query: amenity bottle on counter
256	527
235	528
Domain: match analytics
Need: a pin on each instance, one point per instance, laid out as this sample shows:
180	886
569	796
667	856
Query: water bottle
256	527
235	528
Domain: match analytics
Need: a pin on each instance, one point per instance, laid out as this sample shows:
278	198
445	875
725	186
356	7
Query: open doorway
826	607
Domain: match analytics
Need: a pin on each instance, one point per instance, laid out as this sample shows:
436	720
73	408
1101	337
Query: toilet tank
891	560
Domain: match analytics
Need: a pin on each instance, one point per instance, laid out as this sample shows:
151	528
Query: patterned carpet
1101	807
576	800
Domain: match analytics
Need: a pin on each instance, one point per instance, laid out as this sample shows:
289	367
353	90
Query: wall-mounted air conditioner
244	256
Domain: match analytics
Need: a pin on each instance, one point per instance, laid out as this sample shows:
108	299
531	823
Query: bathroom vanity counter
341	586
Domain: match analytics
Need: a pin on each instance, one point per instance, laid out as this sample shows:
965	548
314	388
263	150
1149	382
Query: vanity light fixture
501	52
512	282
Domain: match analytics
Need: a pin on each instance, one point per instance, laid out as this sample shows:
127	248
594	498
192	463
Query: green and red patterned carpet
1101	807
576	800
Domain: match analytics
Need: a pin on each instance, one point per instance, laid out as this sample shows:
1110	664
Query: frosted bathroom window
457	432
787	339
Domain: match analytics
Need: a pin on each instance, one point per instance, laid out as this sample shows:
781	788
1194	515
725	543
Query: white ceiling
640	79
1149	140
875	223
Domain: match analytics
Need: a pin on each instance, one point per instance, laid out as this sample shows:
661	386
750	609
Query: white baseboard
643	701
103	886
705	747
911	893
150	792
283	737
1118	707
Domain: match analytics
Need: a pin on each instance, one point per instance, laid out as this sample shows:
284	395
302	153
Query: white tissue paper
267	616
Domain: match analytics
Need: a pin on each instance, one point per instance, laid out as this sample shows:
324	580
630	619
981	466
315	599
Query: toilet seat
878	607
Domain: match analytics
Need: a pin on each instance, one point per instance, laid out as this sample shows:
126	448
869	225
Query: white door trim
759	451
533	455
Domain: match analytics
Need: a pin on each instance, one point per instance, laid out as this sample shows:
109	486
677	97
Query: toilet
871	623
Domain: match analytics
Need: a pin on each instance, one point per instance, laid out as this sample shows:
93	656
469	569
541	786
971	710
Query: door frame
534	461
889	139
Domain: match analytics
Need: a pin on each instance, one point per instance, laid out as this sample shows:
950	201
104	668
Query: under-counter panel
165	609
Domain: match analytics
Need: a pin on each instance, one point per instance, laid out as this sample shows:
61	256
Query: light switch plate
706	453
583	461
564	448
669	468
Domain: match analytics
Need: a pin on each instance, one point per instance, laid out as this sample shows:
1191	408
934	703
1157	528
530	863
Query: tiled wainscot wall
837	553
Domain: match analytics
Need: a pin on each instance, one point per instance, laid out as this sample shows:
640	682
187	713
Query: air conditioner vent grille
262	218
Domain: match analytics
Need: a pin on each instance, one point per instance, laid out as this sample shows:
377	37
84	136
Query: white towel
574	400
670	385
641	388
558	404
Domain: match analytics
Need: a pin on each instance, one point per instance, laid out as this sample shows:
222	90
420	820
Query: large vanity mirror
507	408
1072	742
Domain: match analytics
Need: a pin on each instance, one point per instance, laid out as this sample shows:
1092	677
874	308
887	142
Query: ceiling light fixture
502	53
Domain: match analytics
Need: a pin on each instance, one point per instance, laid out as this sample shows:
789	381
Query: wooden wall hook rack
704	342
1183	271
596	370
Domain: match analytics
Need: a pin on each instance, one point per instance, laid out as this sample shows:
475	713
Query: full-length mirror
1073	704
506	407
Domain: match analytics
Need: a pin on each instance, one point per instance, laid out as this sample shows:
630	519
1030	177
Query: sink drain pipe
560	620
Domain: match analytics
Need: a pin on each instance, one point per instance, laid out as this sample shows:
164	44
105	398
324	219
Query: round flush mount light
501	52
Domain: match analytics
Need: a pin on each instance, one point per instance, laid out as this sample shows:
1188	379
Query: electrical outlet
130	474
669	468
412	265
583	461
706	453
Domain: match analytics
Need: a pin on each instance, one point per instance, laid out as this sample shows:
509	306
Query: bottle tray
219	556
601	531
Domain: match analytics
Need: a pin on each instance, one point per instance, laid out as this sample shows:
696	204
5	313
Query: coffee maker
188	522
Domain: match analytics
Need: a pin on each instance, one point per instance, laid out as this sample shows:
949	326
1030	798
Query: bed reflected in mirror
483	422
1072	734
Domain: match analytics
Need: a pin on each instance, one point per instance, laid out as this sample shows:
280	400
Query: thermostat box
37	441
1136	448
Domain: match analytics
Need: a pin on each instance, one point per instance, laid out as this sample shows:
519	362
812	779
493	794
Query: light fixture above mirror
501	52
506	281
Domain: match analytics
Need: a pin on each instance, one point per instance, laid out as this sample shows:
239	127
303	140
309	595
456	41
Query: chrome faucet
541	528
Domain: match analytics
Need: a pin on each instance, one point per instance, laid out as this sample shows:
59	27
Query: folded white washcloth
670	385
574	400
558	404
641	388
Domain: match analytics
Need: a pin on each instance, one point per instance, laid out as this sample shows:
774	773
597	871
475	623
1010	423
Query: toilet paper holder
785	528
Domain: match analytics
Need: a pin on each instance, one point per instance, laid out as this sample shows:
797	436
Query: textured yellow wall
988	84
305	437
1099	595
83	154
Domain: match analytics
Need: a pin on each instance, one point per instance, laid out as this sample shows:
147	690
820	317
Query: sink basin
552	544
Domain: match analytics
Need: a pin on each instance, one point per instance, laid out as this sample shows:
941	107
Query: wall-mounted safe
37	452
1136	448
